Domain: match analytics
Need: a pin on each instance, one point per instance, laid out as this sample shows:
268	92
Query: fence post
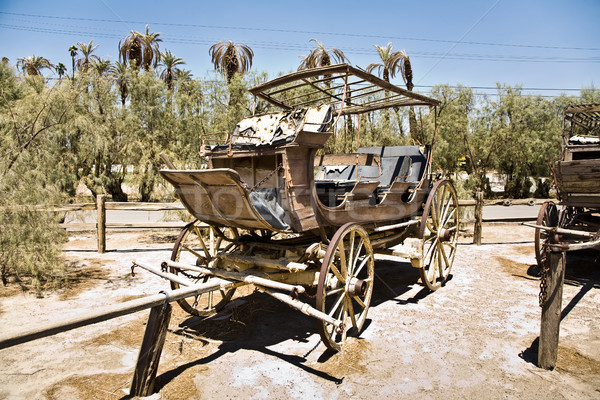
478	219
147	364
551	310
101	222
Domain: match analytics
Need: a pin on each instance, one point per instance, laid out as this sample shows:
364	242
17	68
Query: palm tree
184	77
119	72
169	61
141	48
321	57
229	58
85	62
102	67
61	69
393	62
73	52
34	65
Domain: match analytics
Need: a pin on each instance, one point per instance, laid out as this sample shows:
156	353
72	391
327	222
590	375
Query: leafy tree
30	239
454	127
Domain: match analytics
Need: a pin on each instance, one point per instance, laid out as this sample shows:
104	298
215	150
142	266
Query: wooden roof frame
324	81
586	116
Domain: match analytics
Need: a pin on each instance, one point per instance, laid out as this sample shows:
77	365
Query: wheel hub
444	235
357	287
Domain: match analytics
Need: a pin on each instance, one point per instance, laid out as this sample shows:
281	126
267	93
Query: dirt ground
476	337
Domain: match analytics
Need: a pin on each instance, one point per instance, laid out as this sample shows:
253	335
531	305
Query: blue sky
541	44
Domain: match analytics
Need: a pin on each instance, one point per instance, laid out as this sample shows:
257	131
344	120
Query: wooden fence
101	206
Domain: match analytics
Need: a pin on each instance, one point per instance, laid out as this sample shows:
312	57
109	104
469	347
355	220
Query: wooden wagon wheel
193	247
439	234
547	216
345	284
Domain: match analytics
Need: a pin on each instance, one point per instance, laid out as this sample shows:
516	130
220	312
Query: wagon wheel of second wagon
548	216
345	284
193	247
439	234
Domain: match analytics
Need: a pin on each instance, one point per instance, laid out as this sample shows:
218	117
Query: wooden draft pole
114	311
551	302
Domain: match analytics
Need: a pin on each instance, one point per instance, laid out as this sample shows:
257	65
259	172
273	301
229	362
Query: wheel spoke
445	261
351	249
359	301
336	305
362	265
199	235
343	262
350	309
361	244
194	252
334	291
337	274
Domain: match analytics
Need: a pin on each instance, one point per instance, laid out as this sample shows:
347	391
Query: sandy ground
474	338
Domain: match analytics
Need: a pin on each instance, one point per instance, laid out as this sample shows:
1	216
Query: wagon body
577	172
273	211
264	177
575	220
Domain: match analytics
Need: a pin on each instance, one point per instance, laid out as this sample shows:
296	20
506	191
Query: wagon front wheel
438	234
194	247
345	284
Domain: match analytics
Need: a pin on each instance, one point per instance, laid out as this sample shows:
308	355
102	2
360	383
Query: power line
459	40
190	39
529	46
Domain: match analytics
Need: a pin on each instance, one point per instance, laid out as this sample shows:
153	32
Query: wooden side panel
216	196
298	172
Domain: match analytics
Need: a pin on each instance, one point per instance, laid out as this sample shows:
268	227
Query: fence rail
101	206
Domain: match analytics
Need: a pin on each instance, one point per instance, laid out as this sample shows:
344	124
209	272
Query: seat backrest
402	163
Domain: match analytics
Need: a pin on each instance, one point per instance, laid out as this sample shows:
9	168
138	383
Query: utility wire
190	39
305	32
459	40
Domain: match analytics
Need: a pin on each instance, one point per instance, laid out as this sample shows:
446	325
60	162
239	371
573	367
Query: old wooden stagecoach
291	220
573	223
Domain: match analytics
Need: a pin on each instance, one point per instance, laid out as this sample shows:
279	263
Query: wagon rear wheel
193	247
439	234
547	216
345	284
